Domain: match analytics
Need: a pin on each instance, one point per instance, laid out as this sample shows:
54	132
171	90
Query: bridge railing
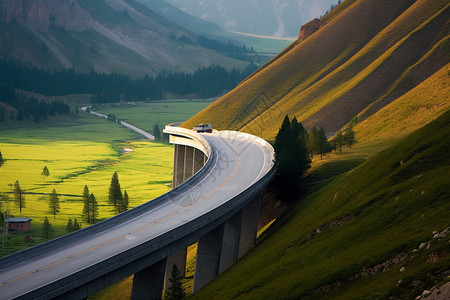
205	147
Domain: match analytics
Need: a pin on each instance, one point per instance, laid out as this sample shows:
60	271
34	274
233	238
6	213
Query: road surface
134	128
237	162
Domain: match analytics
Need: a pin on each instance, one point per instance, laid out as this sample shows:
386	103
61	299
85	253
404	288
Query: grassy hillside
372	233
409	112
369	54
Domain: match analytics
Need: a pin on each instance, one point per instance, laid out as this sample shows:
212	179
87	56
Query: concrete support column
179	259
188	162
148	283
250	214
230	243
199	160
208	258
178	165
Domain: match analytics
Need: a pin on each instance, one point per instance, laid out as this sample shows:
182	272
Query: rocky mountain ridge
310	28
41	14
122	36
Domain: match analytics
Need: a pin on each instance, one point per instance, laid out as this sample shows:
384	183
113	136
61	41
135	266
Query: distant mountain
121	36
366	56
186	20
281	18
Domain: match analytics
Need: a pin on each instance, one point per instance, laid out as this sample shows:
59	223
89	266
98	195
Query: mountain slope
107	36
281	18
170	12
367	55
381	231
413	110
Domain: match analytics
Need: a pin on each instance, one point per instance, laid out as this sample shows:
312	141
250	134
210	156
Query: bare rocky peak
40	14
310	27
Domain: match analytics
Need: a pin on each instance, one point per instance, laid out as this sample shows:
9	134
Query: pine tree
3	198
69	226
292	158
312	141
115	194
349	137
45	172
1	158
175	291
86	205
93	208
19	196
339	139
323	146
122	204
282	137
46	229
125	201
156	132
53	204
76	225
353	121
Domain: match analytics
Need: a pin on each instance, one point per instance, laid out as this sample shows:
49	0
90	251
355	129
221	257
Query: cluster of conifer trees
90	212
228	49
115	196
28	107
205	82
294	149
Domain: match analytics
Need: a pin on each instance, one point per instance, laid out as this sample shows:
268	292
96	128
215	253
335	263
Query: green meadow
85	150
145	114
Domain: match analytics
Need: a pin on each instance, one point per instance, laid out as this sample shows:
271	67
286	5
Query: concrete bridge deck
217	206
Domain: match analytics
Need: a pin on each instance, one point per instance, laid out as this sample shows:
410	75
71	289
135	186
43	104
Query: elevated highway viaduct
217	182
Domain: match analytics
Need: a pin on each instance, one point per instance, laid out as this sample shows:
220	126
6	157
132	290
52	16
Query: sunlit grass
145	173
146	115
385	207
330	77
411	111
87	152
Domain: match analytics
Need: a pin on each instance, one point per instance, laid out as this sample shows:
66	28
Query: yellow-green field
78	155
146	114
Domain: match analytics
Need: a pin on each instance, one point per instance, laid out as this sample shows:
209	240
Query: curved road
237	161
138	130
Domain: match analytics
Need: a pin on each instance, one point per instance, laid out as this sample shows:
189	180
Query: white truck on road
203	128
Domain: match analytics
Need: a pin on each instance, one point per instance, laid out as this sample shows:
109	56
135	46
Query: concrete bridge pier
230	245
208	253
221	248
178	259
249	228
148	283
187	161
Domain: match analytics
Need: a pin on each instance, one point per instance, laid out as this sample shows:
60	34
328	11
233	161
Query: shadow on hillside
330	169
